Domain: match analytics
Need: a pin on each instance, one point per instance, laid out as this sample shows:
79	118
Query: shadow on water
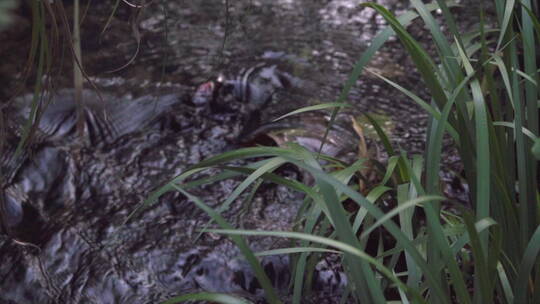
65	198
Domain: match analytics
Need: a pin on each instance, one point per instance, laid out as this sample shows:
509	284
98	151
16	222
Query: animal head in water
205	93
218	94
253	87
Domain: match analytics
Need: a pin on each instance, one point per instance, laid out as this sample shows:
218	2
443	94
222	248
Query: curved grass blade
367	287
270	293
421	58
375	45
505	283
481	284
512	126
39	26
530	257
203	165
399	209
424	105
432	279
521	157
388	147
295	250
344	247
206	296
392	163
482	146
317	107
269	166
372	196
508	11
111	16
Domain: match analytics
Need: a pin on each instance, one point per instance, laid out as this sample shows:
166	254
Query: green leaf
527	263
317	107
207	296
270	293
346	248
536	149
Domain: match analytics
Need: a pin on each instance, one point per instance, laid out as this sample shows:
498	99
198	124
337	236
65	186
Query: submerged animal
248	92
255	87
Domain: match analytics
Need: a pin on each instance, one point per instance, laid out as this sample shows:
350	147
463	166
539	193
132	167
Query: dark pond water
65	198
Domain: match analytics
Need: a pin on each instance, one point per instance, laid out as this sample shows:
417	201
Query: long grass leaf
527	263
295	250
328	242
375	45
520	149
270	293
433	282
482	146
402	207
421	58
505	284
206	296
505	22
424	105
317	107
481	288
530	66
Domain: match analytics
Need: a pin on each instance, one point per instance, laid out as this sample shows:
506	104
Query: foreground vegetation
484	90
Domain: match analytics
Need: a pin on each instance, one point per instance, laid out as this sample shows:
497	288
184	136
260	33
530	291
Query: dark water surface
65	198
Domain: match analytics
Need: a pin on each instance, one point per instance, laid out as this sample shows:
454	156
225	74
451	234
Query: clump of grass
484	90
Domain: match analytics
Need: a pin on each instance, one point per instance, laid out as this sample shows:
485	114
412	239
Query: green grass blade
505	22
481	288
206	296
368	289
448	59
424	105
40	35
505	284
372	197
317	107
483	176
527	263
270	293
433	281
530	66
268	167
534	20
342	246
375	45
525	131
344	176
400	208
406	220
421	58
294	250
520	149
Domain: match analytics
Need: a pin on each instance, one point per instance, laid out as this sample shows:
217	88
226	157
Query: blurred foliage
6	6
